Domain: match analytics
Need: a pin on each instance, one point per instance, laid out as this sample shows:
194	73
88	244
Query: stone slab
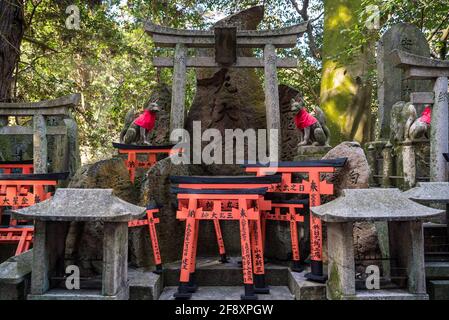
15	276
229	293
59	106
211	272
144	285
437	270
429	192
82	205
386	295
304	289
22	130
373	205
15	268
209	62
63	294
439	289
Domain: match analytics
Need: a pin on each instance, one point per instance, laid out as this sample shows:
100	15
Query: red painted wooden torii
293	217
24	190
247	210
132	163
235	183
9	167
273	212
151	222
132	151
314	187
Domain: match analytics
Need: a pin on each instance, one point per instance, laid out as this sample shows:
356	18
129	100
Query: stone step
436	242
229	293
214	275
211	272
438	289
437	270
144	284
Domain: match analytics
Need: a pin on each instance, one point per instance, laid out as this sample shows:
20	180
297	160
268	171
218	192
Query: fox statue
138	126
313	129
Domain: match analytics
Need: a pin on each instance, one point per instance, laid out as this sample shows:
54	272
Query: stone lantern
406	245
435	193
431	192
52	218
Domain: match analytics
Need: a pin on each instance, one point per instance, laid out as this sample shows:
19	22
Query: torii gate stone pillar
272	92
179	87
417	67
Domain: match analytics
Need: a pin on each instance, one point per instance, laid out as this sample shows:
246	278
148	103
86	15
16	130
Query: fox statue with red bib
312	128
138	126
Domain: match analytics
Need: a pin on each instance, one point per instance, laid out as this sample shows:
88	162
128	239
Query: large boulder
355	175
84	240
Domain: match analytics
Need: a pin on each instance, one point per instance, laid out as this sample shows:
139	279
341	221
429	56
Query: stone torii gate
424	68
226	40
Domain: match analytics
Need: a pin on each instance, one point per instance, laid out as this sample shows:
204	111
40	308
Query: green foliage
431	16
109	58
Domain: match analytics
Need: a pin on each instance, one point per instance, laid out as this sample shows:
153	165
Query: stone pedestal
311	152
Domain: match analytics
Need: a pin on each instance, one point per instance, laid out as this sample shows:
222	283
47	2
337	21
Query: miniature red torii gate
19	191
26	166
314	187
247	182
151	222
22	235
248	210
291	216
132	162
234	183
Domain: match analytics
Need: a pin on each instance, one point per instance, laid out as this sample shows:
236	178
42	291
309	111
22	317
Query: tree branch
33	12
438	28
39	43
303	12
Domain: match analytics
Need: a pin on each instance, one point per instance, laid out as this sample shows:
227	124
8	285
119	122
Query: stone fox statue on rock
418	128
313	129
138	126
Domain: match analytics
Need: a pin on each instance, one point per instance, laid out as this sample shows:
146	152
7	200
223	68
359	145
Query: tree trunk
345	88
12	26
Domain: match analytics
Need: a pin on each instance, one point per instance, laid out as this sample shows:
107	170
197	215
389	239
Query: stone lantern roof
81	205
373	205
429	192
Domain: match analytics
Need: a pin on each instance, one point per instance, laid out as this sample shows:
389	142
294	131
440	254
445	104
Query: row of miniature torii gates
226	41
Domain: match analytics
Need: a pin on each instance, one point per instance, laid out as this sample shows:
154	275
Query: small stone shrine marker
53	216
393	86
423	68
406	241
226	40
